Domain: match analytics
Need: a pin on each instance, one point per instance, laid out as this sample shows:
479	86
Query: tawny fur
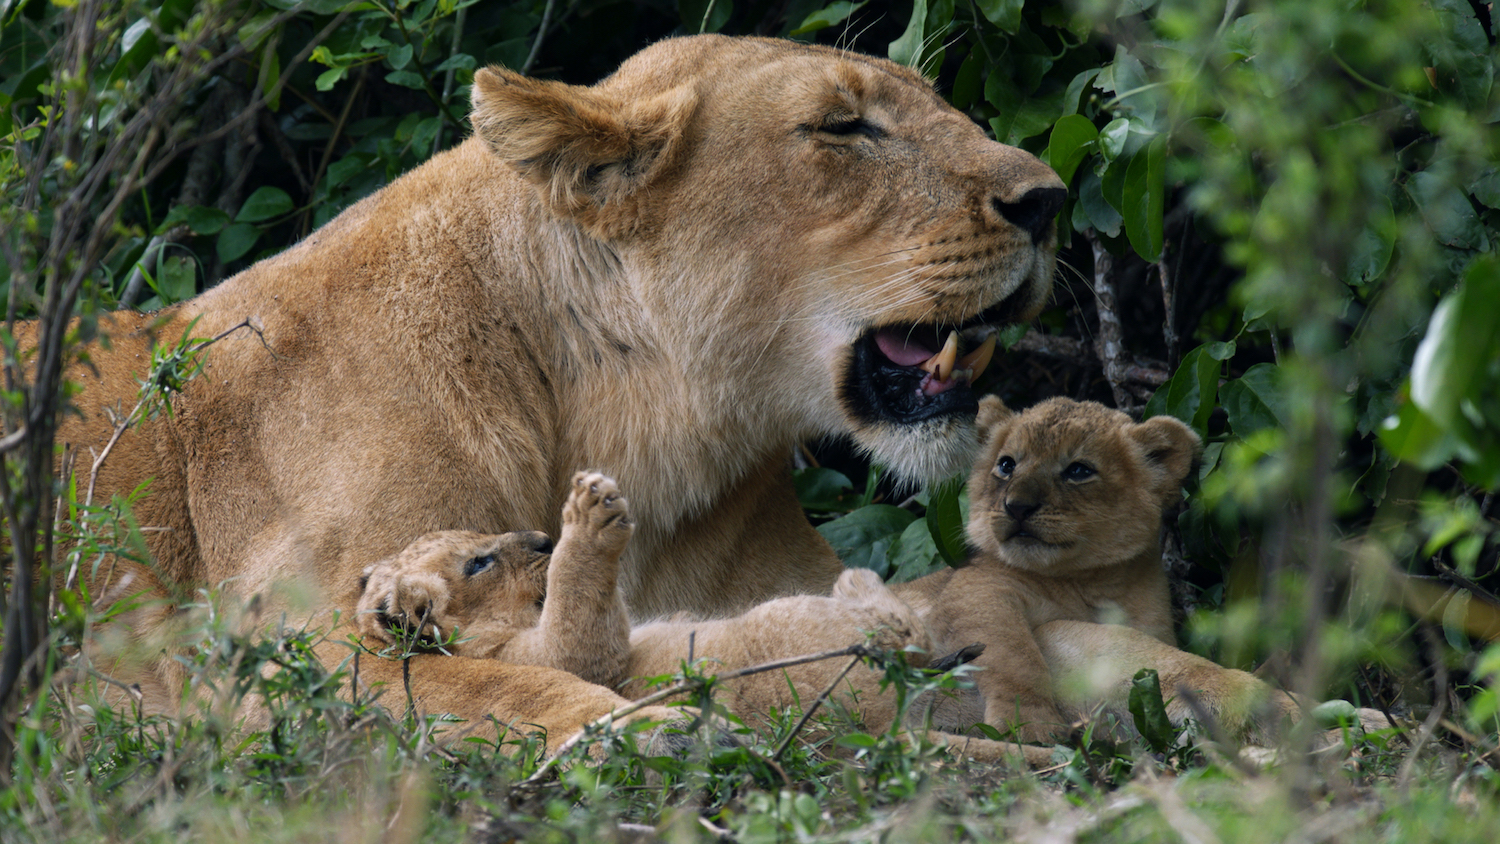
660	275
1066	592
427	588
1066	588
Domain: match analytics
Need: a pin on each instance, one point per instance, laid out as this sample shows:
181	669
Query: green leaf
235	240
1369	256
914	554
1486	188
406	79
200	218
177	279
1190	395
1005	14
1149	711
864	537
1144	199
457	61
399	57
857	740
945	520
1255	400
827	16
1071	139
1462	340
1462	57
1101	215
1414	437
265	203
270	74
1446	211
821	489
329	78
907	49
1112	138
966	85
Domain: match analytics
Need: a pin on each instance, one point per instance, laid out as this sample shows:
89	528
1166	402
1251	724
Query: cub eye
1079	472
1005	465
478	564
848	126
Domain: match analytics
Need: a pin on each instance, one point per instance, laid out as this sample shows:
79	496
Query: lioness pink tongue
900	348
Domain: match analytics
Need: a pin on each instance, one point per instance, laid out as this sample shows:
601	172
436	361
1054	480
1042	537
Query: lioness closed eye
1065	587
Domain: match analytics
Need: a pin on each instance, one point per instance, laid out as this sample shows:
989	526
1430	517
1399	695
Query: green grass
330	768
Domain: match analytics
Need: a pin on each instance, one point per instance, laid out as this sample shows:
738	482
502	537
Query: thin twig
677	689
130	417
808	713
1111	346
1434	717
541	35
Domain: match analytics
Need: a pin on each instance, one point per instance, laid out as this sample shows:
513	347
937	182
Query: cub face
1066	486
445	579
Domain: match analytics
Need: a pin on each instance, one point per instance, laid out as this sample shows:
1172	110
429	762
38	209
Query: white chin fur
923	453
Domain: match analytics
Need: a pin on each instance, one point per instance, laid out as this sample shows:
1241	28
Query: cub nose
1019	510
1033	212
537	541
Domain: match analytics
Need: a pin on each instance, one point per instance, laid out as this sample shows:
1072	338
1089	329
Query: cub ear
1170	446
587	152
992	415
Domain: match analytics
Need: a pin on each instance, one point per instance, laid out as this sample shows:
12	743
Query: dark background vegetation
1281	229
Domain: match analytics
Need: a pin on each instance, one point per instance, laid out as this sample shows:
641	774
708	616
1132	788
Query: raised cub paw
597	513
398	604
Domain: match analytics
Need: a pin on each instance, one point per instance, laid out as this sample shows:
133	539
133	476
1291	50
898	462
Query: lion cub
515	598
1064	584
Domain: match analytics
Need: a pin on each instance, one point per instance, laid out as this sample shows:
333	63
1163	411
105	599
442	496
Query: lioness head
485	586
816	227
1066	485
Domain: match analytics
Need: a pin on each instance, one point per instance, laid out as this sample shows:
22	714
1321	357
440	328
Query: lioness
1064	589
726	247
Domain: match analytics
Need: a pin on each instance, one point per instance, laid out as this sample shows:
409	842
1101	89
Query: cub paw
876	609
398	605
860	585
597	512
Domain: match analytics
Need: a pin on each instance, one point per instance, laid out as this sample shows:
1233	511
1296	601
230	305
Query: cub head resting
1067	486
483	586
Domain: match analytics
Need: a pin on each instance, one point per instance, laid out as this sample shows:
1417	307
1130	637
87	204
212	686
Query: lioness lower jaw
909	392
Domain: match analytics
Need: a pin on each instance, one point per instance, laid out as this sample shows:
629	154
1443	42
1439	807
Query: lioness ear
587	152
1170	446
992	414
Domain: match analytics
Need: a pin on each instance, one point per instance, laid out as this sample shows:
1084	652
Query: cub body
513	597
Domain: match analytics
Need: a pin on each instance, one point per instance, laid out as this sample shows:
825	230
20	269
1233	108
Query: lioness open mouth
911	373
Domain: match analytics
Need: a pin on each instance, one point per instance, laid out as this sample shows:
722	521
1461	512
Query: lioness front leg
584	627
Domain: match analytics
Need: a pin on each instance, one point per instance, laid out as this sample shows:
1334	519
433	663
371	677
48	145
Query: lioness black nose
538	542
1034	211
1019	510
